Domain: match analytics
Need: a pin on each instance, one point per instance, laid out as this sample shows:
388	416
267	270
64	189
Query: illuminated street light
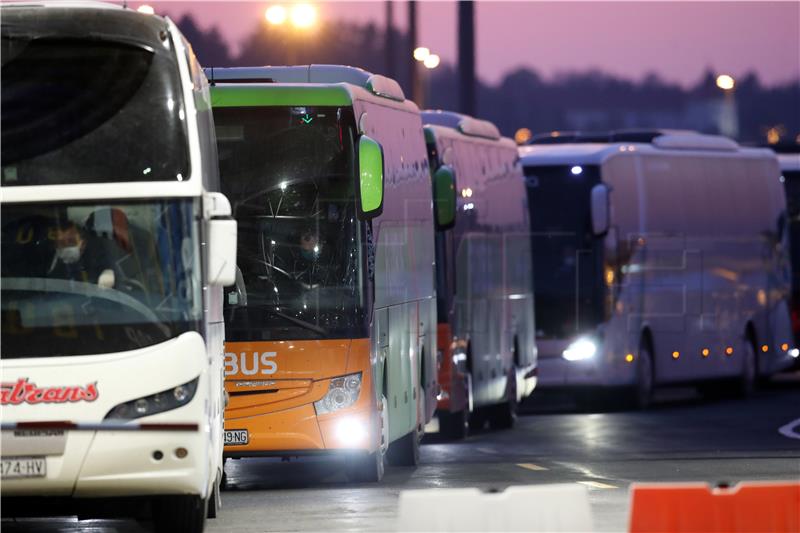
725	82
421	53
303	16
146	9
275	15
432	61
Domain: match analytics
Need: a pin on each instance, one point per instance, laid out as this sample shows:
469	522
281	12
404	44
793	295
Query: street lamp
300	16
728	116
431	62
420	53
725	82
275	15
303	16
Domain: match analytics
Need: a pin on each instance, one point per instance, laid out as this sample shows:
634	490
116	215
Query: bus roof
465	124
305	84
595	153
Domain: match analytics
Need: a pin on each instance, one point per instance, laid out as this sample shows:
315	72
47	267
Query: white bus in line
115	248
484	291
658	262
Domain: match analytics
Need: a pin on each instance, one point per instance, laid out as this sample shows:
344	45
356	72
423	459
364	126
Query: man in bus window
79	258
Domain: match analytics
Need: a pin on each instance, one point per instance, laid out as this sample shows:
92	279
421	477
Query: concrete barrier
533	508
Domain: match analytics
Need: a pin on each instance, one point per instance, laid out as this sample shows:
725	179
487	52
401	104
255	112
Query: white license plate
22	467
235	437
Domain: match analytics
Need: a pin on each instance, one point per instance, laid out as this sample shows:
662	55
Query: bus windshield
567	260
86	278
288	172
80	110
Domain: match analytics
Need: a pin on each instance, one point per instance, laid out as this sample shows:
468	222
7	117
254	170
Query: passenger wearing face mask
78	258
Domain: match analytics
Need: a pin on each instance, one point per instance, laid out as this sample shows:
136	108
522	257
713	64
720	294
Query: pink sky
676	39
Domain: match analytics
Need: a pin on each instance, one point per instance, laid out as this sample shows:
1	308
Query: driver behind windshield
79	256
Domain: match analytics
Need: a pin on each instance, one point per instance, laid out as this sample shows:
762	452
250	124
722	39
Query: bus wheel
642	394
454	426
179	514
405	450
504	415
364	467
214	500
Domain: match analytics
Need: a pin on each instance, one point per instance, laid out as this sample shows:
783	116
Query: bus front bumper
300	431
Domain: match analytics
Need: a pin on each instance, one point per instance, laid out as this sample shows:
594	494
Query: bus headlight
342	393
351	431
155	403
580	350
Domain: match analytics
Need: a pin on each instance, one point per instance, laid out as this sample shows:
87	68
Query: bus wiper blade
296	321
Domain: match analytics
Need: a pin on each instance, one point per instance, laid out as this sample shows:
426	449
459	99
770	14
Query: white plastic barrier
563	507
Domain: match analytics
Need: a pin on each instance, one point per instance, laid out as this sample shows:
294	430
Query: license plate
235	437
23	467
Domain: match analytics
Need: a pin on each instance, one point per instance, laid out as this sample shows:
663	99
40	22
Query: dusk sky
677	39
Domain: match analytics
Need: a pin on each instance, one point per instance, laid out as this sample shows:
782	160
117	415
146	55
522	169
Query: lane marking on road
597	485
531	466
791	430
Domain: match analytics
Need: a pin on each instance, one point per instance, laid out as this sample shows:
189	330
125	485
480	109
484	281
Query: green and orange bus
331	329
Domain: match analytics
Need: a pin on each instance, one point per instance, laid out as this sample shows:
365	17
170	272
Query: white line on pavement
791	430
597	485
531	466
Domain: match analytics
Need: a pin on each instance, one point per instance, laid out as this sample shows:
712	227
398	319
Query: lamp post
728	117
301	17
430	61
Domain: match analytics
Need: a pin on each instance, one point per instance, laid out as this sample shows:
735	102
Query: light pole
430	61
728	117
301	17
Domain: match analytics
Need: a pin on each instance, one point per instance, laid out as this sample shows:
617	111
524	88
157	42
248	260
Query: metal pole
416	85
466	56
389	40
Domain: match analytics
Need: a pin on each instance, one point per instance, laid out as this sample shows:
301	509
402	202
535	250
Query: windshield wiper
296	321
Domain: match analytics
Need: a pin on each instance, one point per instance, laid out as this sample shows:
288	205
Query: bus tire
215	500
504	415
477	420
454	426
364	467
405	450
179	514
642	393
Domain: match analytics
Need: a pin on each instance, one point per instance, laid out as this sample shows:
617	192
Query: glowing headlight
342	393
794	352
351	431
155	403
580	350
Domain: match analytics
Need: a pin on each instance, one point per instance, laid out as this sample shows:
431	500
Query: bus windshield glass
288	172
567	260
78	110
87	278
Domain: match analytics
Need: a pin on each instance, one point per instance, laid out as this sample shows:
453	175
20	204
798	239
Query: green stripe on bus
278	95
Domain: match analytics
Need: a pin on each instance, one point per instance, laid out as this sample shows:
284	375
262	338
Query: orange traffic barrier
699	508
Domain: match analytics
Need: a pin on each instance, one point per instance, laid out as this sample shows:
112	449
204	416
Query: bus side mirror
444	197
600	210
370	178
220	241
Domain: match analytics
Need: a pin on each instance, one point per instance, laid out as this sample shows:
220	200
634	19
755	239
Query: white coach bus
115	248
483	284
658	259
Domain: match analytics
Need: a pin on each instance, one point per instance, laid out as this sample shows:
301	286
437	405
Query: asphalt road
683	438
